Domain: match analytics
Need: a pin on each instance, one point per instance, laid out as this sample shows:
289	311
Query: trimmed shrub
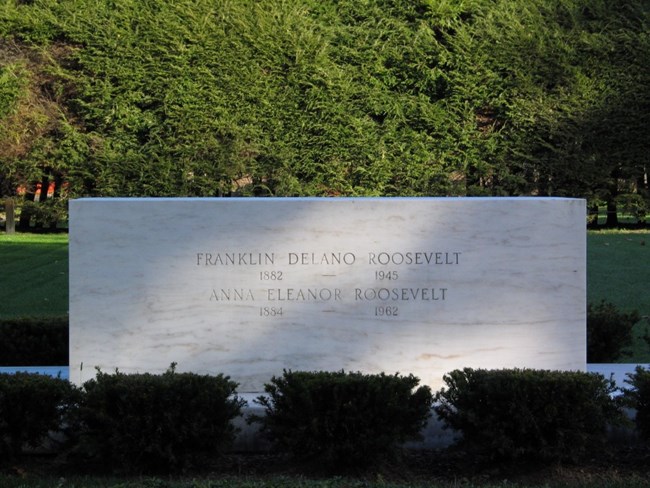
608	332
638	397
514	414
32	405
34	342
155	423
343	419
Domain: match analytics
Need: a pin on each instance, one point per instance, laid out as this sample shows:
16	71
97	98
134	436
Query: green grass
618	271
288	482
583	481
33	275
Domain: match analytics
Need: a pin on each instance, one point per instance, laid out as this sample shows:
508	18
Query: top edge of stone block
312	199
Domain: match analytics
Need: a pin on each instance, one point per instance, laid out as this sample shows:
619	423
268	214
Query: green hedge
343	419
529	414
154	423
325	97
32	405
171	422
34	342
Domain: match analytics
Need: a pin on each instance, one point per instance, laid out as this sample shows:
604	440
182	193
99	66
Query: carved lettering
417	258
234	258
400	294
304	258
303	294
385	299
232	295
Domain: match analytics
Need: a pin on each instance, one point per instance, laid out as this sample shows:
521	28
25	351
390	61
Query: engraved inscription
232	294
385	279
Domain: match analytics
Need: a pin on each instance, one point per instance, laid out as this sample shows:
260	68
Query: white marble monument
249	287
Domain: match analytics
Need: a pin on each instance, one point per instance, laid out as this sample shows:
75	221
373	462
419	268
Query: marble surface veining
249	287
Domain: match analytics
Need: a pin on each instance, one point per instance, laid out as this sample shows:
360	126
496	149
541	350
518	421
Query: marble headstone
249	287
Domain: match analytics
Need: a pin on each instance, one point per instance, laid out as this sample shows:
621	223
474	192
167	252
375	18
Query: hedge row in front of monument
155	423
523	414
343	419
120	422
31	405
175	421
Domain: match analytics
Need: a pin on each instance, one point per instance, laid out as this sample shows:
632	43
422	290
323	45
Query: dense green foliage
154	423
31	405
384	97
34	342
528	414
609	332
340	419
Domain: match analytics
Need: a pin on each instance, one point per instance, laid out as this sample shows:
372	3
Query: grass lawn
156	483
618	271
33	275
289	482
560	478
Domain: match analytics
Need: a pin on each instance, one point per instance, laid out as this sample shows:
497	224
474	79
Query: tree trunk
643	189
25	212
10	223
612	214
58	181
642	182
45	186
